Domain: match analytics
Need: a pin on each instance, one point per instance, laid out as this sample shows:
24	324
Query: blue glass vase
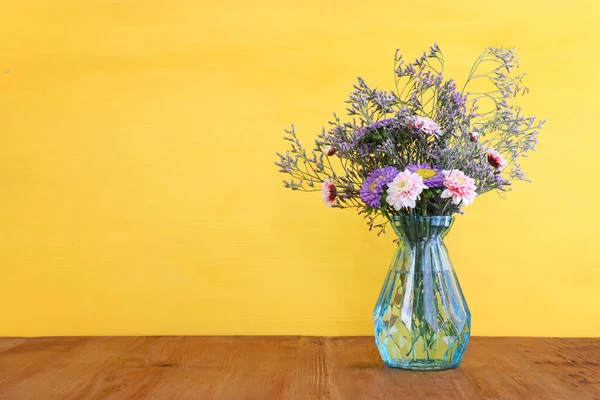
422	321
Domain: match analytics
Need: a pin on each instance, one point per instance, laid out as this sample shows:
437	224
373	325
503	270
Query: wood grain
288	368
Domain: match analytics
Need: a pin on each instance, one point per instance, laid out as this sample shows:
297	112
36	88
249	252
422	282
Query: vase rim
422	226
448	218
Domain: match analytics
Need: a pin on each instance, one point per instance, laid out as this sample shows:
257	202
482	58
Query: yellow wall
138	194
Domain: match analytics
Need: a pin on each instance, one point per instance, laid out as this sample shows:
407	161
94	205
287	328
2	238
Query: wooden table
273	368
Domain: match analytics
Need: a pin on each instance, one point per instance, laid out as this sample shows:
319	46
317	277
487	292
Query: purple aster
372	188
432	176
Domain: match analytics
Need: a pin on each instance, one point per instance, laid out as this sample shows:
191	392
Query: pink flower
459	187
329	150
496	160
425	125
329	193
474	136
404	190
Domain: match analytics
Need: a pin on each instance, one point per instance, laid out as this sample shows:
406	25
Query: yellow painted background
138	194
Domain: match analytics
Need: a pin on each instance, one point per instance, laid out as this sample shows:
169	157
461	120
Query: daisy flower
329	193
496	160
459	187
404	190
372	188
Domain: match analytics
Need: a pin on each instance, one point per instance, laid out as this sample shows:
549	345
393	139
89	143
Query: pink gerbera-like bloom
425	125
404	190
496	160
329	193
459	187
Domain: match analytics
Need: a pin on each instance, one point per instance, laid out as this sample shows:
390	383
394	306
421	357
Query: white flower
404	190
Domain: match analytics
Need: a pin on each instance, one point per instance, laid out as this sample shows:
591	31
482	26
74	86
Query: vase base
421	365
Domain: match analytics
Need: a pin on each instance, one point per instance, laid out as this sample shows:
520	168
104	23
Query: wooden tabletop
288	368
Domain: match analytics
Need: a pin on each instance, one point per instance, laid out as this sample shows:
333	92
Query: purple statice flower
372	189
432	176
384	100
384	123
364	149
501	181
337	138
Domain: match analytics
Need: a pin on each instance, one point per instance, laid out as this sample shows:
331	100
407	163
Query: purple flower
372	189
384	123
501	182
432	176
364	149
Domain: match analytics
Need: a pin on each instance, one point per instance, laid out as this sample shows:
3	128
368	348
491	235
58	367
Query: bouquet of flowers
426	148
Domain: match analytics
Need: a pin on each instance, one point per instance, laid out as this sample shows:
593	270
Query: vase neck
416	229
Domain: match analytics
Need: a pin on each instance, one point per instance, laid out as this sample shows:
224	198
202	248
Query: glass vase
422	321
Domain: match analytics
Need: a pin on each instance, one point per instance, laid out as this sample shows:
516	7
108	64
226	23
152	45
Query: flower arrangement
423	149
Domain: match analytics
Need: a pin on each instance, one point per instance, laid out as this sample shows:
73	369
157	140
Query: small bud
329	150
